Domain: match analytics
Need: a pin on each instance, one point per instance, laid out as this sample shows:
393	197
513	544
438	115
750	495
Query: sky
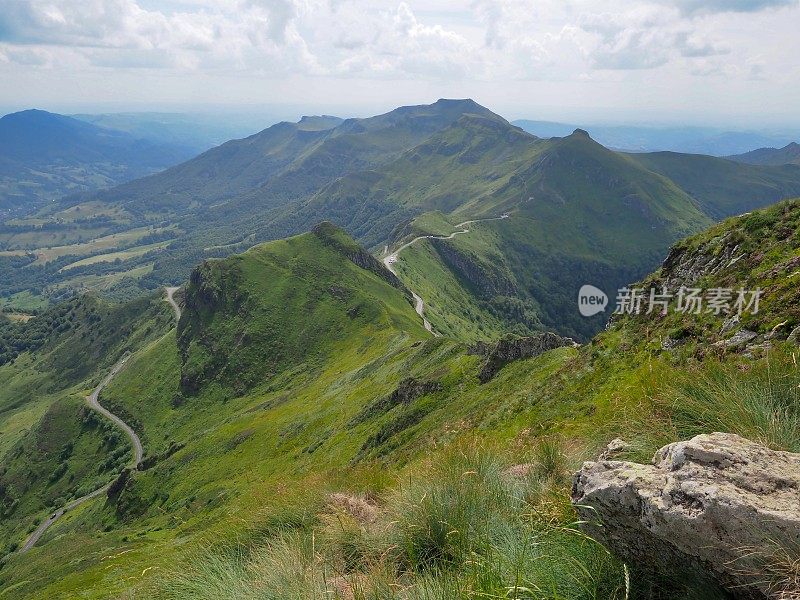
718	62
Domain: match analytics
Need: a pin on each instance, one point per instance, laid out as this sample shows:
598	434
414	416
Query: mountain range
789	154
712	141
579	212
372	379
194	132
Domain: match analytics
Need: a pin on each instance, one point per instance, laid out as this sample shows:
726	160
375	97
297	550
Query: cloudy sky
718	61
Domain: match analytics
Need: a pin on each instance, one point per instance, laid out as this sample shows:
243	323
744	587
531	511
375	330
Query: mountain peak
338	239
33	115
269	318
581	133
318	122
464	102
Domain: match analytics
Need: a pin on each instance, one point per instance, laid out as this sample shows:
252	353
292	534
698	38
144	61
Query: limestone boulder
717	505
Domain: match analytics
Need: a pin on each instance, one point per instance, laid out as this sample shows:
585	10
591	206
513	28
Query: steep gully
93	400
391	259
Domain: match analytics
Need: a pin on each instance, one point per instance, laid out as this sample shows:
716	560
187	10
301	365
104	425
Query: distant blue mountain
788	155
196	132
44	156
690	140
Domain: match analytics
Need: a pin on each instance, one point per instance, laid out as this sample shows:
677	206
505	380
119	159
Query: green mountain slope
286	305
213	205
322	437
52	448
579	214
286	161
721	187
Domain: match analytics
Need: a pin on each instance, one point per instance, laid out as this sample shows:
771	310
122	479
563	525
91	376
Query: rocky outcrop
718	505
685	265
510	349
215	286
119	484
740	339
151	461
407	391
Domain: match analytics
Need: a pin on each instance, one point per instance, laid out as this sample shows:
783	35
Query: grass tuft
762	404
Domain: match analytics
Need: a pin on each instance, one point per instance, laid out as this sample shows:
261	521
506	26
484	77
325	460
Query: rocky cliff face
214	286
716	506
407	391
332	236
488	280
511	348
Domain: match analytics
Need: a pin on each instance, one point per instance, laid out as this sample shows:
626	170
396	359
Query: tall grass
465	526
761	403
461	527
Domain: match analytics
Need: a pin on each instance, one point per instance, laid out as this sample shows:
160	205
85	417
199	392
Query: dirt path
391	259
171	299
93	400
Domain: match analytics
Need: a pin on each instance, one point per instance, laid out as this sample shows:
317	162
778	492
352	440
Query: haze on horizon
715	62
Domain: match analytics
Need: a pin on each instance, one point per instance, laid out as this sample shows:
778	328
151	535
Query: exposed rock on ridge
718	505
510	349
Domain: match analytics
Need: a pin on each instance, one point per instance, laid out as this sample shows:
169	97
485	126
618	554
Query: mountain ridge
325	417
789	154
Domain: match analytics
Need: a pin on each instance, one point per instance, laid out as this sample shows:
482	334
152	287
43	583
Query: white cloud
645	38
592	47
347	37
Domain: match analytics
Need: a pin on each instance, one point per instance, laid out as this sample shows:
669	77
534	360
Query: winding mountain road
93	400
171	299
391	259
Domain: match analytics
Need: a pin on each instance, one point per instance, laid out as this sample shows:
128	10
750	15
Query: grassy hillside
326	442
579	214
723	188
285	305
213	205
52	448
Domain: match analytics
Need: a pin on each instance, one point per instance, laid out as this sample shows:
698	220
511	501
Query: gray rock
684	266
757	350
729	324
669	344
737	340
794	336
614	447
716	505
